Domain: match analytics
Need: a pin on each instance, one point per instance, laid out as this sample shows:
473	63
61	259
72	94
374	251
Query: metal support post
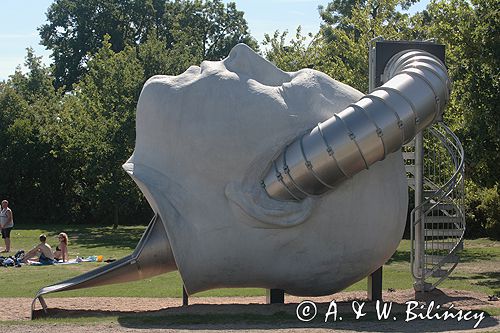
419	218
185	296
374	290
375	285
275	296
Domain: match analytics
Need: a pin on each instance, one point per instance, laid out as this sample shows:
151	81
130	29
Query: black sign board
385	50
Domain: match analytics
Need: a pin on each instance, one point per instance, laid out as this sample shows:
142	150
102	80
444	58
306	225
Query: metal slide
151	257
413	97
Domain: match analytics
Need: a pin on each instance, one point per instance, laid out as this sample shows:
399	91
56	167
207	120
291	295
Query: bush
483	211
490	209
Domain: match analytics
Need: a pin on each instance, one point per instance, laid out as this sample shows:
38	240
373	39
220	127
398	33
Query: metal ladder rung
429	219
409	155
440	273
442	233
439	223
434	259
429	193
410	144
443	219
442	245
446	205
410	169
429	184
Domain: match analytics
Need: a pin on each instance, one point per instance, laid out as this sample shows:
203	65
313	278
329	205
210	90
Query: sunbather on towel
61	252
42	250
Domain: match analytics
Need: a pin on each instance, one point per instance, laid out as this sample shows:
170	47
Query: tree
36	83
194	28
75	29
469	29
337	11
63	153
29	165
108	94
156	59
348	28
293	55
340	49
206	30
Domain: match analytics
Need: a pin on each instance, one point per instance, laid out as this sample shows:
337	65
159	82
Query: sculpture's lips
267	213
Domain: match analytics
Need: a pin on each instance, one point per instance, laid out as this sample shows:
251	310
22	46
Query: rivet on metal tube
413	97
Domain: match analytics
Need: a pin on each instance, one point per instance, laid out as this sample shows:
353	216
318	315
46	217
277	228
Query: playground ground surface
230	314
155	304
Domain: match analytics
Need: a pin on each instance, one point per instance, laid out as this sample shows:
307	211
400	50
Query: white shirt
4	218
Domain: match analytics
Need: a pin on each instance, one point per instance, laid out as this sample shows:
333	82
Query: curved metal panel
324	166
416	91
152	256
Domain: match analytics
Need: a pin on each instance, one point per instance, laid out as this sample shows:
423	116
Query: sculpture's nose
242	60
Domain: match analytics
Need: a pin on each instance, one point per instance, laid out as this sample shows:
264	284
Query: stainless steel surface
414	95
151	257
418	264
372	56
438	220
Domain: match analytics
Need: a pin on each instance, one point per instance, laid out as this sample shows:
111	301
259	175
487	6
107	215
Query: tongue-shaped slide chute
151	257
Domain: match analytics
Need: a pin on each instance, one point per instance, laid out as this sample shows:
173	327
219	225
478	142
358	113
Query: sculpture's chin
158	190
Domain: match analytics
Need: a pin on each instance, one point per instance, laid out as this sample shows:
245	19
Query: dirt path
19	311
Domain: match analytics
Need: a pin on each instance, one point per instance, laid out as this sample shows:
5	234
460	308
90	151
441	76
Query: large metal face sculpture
236	158
204	141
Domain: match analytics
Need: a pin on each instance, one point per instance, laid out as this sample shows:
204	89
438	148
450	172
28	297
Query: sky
19	20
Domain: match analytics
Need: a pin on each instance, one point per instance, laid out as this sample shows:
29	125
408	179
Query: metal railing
438	222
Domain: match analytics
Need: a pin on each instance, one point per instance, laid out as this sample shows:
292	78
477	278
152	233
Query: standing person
6	223
61	252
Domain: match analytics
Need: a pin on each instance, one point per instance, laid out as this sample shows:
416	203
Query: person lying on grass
61	252
42	250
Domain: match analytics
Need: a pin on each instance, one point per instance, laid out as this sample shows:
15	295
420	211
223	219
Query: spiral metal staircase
435	170
434	163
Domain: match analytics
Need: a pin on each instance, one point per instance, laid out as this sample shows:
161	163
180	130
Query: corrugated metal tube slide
414	95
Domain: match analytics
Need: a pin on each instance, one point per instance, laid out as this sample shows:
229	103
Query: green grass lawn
478	271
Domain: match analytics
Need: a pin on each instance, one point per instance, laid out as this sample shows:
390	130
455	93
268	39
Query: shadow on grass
488	279
467	255
485	279
264	316
439	297
458	278
470	255
399	256
125	237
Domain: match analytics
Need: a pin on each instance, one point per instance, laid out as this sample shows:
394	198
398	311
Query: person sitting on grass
42	250
61	252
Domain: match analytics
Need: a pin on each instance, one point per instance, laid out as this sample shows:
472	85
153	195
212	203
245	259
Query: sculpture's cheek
343	238
204	144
